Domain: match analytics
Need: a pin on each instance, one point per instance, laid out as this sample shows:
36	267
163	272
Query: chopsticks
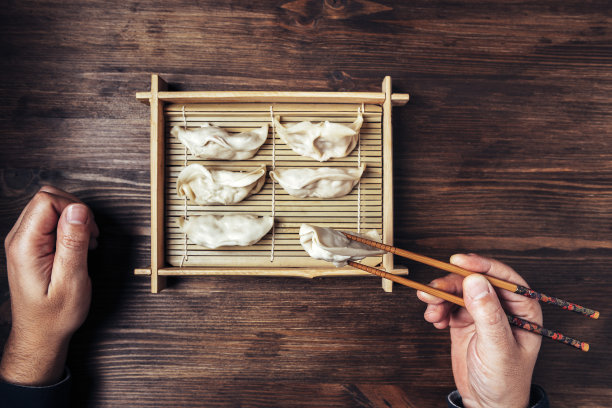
514	320
498	283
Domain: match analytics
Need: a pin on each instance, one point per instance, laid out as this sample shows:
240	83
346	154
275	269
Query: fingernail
456	258
77	214
476	287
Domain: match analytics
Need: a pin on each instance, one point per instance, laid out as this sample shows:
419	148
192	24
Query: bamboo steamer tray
279	253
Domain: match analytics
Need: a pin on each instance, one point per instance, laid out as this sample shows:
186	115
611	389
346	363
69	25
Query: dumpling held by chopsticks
330	245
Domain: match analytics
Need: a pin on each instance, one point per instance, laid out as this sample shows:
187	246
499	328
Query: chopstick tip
585	346
595	315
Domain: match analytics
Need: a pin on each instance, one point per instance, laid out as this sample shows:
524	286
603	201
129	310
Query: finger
50	192
58	192
95	232
42	213
73	235
492	267
443	324
34	236
439	313
451	283
461	318
39	204
16	226
495	338
432	314
515	304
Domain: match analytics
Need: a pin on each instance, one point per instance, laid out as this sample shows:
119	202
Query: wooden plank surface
503	149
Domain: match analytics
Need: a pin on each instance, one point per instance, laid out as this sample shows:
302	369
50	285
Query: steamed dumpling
204	186
320	141
330	245
322	182
212	142
213	231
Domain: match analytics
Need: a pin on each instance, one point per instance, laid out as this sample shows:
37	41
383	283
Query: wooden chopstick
514	320
498	283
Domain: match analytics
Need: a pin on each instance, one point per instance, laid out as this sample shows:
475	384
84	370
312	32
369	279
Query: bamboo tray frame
250	109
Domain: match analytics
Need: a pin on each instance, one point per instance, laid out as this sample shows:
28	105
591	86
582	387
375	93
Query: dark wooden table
504	149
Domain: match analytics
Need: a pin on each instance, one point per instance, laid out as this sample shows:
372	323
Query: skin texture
492	362
49	285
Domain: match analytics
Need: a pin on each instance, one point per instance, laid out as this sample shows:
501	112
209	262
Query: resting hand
50	289
492	362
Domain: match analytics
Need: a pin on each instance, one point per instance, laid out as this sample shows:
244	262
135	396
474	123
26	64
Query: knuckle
494	319
42	195
534	311
41	198
48	189
15	248
495	314
7	244
75	242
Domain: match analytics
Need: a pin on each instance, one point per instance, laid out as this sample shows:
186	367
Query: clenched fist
50	289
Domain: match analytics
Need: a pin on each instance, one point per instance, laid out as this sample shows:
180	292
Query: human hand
50	289
492	362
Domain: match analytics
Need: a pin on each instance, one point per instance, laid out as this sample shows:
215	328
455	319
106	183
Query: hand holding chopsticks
514	320
498	283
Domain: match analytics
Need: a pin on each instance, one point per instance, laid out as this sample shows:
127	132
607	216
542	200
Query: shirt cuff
49	396
537	399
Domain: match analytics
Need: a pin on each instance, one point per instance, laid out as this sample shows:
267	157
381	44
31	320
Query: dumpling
322	182
212	142
320	141
213	231
204	186
330	245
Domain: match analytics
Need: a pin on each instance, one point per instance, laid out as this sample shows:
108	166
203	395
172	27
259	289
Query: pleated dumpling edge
214	231
212	142
204	186
320	141
321	182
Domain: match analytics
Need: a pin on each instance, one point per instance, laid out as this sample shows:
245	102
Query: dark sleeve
50	396
537	399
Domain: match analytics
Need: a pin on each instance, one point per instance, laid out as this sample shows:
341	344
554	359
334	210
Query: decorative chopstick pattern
514	320
534	328
499	283
564	304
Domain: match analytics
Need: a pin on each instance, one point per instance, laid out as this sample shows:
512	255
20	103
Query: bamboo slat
157	182
273	97
306	272
387	138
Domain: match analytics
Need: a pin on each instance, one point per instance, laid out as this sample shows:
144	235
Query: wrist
32	361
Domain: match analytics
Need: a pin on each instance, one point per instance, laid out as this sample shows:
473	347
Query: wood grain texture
503	149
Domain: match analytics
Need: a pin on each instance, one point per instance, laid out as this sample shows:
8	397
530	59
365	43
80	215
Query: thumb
494	334
73	234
